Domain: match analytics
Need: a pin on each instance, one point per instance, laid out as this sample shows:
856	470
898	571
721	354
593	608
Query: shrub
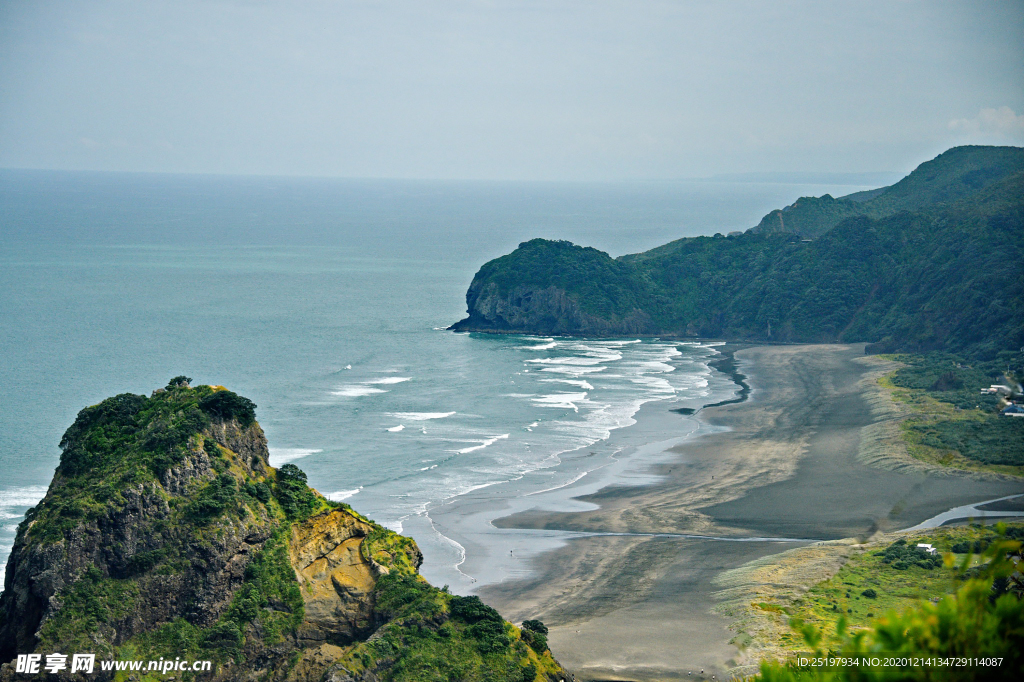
535	626
902	556
947	382
143	561
402	594
976	621
869	593
229	405
223	638
259	491
966	547
218	495
537	641
296	498
489	635
472	610
263	492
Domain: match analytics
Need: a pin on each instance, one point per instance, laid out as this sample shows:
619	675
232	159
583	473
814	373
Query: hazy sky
552	89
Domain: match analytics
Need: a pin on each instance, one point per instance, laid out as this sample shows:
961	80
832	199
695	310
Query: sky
502	90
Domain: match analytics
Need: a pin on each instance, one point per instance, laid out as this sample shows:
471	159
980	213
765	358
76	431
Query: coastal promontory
166	535
929	263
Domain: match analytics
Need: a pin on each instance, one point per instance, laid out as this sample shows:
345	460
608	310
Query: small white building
926	547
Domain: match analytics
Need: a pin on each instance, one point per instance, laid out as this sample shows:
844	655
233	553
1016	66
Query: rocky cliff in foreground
166	534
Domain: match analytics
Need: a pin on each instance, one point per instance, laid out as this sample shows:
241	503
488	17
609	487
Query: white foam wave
388	380
654	383
22	497
542	346
561	400
279	456
342	495
482	444
420	416
560	485
572	382
356	391
571	360
573	370
396	429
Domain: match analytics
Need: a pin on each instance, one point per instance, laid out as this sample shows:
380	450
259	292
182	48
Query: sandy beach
631	597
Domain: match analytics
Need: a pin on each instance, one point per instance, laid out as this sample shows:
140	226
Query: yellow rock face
337	582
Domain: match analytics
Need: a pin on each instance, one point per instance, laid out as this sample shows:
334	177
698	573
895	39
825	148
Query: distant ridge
930	262
949	177
875	179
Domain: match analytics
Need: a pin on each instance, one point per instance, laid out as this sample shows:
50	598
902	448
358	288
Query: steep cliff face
554	287
542	310
166	533
336	578
109	527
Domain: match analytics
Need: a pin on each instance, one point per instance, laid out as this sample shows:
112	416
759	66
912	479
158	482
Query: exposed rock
165	533
39	571
337	581
541	310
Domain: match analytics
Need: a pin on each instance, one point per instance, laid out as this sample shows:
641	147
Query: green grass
982	617
389	549
896	587
953	424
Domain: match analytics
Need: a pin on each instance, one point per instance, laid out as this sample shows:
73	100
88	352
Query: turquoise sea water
325	302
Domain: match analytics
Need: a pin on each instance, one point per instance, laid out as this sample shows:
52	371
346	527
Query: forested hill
932	262
934	185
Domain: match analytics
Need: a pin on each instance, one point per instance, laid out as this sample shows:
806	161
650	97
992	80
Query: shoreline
727	366
631	595
480	551
492	553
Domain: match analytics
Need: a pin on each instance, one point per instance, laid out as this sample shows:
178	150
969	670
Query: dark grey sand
639	608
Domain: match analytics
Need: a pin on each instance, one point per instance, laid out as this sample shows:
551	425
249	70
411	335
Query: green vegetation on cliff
433	635
166	533
933	262
950	177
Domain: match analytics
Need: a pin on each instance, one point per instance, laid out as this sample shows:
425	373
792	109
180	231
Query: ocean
325	301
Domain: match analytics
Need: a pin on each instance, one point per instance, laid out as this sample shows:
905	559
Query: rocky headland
166	534
903	268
